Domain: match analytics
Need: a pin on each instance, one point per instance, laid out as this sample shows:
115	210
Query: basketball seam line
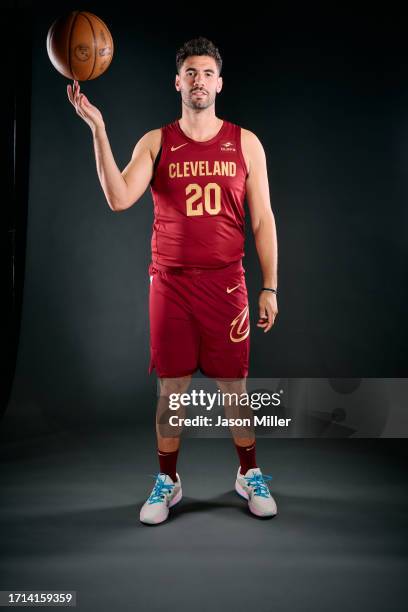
94	42
69	43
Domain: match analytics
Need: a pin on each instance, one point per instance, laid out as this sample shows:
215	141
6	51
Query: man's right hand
89	113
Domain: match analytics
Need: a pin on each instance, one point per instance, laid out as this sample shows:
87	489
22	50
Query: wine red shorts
199	319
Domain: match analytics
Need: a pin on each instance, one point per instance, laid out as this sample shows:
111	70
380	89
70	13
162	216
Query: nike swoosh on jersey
173	148
233	288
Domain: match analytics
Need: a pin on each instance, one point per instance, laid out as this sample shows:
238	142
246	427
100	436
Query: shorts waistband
235	266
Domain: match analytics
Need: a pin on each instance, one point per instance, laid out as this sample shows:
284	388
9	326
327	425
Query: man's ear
220	84
176	82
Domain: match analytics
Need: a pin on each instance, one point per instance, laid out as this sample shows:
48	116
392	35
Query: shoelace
257	481
159	488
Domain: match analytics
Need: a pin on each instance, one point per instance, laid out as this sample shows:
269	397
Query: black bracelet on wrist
269	289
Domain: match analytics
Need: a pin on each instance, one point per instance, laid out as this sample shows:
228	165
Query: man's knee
237	385
168	387
234	398
174	385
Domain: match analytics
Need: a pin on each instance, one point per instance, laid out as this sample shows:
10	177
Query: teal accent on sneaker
161	487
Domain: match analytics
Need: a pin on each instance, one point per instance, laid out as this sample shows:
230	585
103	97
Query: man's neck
200	126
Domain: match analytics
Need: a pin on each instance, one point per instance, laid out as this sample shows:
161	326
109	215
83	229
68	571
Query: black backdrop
326	93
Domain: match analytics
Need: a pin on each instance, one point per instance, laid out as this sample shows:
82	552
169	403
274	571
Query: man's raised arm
121	189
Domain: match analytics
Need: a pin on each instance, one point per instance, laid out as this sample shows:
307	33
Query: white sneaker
164	495
252	487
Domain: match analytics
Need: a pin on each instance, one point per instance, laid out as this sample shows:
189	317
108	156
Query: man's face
198	81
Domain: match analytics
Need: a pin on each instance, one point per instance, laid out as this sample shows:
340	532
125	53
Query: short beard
189	101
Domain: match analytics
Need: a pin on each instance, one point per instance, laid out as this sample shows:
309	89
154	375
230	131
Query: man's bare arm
121	189
139	171
262	217
263	224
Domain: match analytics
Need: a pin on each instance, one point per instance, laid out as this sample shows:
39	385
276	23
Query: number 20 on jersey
206	199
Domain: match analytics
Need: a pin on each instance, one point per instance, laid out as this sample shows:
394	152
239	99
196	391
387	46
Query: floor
69	521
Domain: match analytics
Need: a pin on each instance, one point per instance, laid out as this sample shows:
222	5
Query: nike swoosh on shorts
233	288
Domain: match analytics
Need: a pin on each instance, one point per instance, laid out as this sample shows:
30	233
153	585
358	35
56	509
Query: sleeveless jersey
198	191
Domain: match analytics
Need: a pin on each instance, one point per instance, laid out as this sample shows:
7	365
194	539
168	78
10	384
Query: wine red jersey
198	190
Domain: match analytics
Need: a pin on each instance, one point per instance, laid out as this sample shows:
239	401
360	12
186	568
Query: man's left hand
268	309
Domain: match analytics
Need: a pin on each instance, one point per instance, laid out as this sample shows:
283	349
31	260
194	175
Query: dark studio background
325	90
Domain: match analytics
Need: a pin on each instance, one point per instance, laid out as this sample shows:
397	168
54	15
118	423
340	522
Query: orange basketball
80	46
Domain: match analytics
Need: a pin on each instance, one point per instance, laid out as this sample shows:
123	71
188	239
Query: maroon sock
247	457
168	462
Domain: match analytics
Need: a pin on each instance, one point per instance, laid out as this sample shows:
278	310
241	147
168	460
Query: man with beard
200	169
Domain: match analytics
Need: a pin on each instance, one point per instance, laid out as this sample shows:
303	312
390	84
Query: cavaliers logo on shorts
240	326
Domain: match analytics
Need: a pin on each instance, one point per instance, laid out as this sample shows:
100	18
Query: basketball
80	46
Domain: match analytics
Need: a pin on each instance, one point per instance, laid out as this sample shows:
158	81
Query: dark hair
198	46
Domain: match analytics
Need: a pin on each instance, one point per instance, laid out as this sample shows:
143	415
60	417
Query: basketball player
200	169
